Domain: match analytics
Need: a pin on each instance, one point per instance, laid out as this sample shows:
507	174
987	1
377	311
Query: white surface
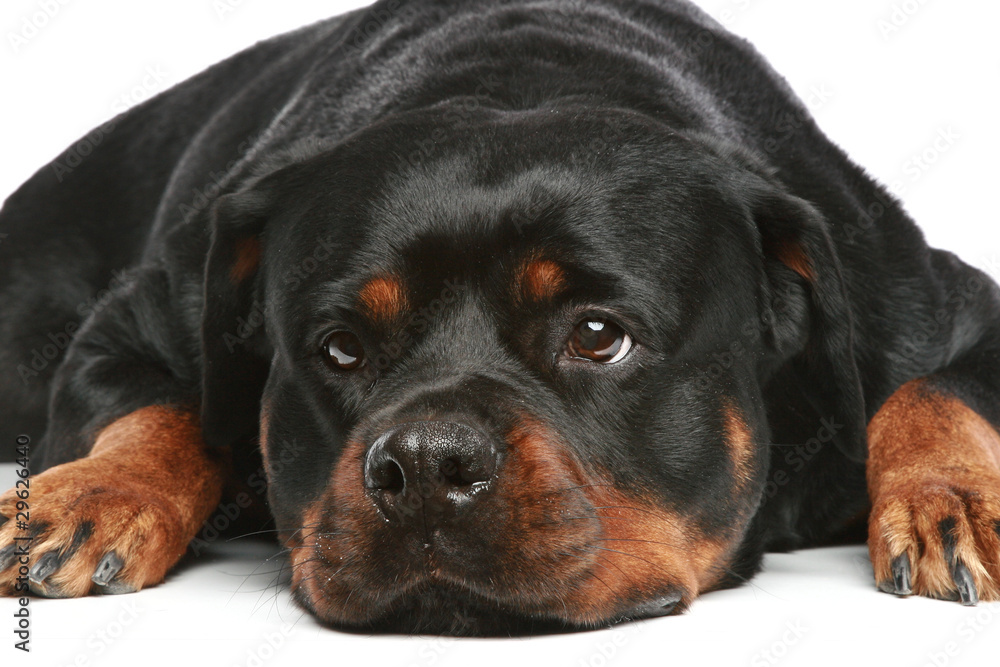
816	607
883	95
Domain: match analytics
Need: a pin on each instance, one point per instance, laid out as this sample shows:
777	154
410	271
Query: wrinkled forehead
540	233
520	219
440	217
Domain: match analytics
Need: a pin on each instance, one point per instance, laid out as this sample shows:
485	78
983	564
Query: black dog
539	313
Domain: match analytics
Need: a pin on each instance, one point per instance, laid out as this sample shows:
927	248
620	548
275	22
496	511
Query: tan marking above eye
542	279
383	297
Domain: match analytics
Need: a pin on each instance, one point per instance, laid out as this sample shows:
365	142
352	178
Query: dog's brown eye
343	351
599	340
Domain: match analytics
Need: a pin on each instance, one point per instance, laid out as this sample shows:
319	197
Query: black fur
654	155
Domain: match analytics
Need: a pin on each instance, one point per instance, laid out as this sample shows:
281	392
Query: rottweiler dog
535	314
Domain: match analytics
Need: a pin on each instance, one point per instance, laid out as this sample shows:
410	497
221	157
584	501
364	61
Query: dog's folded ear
794	235
235	350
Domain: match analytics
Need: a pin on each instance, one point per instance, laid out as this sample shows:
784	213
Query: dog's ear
811	312
235	350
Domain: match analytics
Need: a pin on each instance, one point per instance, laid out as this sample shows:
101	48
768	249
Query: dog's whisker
672	545
625	553
578	487
252	534
626	507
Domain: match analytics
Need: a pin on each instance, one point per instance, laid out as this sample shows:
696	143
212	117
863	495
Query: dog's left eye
343	351
599	340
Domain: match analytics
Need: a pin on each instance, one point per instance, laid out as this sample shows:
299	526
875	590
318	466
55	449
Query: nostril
454	472
464	471
386	475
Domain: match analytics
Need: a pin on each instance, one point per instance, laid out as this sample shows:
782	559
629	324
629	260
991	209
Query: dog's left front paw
87	530
938	538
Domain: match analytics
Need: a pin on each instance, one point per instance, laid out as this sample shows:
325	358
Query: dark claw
45	566
117	588
966	586
901	575
7	556
107	569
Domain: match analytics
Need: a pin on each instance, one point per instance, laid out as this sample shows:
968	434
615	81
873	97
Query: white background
884	78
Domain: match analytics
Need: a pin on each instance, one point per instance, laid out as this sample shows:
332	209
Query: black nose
430	470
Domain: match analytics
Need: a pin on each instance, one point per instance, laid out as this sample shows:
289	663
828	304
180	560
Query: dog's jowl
534	314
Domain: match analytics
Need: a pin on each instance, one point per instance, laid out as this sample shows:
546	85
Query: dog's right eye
343	351
599	340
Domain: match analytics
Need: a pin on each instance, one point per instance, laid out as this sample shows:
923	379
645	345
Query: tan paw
938	538
87	528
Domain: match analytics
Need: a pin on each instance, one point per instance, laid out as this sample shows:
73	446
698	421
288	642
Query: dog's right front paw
939	538
82	528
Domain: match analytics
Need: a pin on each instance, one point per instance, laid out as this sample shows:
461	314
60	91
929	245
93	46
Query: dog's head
511	369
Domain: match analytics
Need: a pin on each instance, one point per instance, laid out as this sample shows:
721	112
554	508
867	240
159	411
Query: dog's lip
432	575
436	588
418	608
449	609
